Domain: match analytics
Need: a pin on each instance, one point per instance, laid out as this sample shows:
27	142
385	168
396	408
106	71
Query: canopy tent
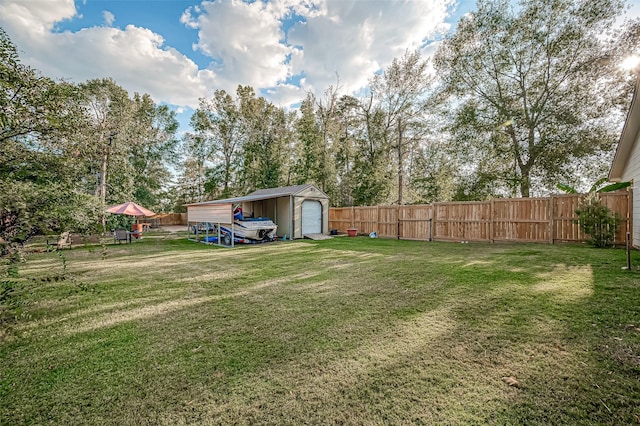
130	209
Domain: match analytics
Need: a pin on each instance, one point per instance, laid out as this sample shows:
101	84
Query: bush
598	222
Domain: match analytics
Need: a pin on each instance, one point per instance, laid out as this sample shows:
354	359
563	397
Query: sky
181	50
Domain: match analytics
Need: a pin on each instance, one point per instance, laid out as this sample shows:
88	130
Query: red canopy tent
130	209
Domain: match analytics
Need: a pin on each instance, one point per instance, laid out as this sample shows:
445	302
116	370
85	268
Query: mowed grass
345	331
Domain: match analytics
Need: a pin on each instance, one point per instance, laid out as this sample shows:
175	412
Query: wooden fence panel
619	202
388	221
366	219
468	221
168	219
565	227
341	218
521	219
415	222
544	220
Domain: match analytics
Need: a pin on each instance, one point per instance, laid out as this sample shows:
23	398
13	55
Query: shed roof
285	190
264	194
628	137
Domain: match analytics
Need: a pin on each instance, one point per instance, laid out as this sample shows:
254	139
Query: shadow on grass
343	332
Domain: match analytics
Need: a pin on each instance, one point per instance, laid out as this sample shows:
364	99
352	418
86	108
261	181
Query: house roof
263	194
628	137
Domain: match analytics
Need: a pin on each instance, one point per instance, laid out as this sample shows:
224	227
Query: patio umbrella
130	209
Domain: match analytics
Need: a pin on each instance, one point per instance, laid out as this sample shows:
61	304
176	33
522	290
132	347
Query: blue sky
180	50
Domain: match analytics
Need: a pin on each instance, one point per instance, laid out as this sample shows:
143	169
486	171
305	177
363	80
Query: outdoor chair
120	235
64	241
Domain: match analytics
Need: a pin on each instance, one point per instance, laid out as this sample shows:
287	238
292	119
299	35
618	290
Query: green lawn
345	331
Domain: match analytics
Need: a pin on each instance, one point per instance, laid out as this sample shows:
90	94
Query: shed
297	210
626	163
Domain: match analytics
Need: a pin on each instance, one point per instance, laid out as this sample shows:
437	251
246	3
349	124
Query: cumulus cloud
108	17
136	58
355	39
349	38
267	45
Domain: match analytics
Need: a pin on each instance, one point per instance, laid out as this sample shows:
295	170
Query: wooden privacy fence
544	220
168	219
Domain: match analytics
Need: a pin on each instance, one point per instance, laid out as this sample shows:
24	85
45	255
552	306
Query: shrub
598	222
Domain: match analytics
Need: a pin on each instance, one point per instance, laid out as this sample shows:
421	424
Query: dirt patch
173	228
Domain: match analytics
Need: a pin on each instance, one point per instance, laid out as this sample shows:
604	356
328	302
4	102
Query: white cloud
246	42
349	38
136	58
356	38
108	17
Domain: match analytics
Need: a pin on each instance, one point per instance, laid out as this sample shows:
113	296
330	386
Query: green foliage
531	86
598	222
566	188
596	187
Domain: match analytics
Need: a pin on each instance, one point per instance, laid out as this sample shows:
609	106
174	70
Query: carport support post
291	208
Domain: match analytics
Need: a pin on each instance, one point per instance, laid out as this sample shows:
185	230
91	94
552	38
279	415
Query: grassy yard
346	331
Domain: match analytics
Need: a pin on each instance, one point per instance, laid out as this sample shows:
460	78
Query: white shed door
311	217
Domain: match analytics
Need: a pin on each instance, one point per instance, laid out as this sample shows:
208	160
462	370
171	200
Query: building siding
631	173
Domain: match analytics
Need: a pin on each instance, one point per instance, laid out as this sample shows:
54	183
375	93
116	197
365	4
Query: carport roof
261	194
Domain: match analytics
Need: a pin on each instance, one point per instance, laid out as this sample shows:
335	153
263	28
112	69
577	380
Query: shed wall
631	173
297	211
215	213
284	216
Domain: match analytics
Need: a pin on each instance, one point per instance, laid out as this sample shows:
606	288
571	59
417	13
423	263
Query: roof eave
628	136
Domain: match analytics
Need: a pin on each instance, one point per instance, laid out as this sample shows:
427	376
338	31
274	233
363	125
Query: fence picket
544	220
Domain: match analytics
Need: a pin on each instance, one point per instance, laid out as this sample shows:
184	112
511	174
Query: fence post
434	220
552	203
492	228
353	216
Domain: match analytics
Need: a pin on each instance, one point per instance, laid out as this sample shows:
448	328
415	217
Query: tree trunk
399	162
525	184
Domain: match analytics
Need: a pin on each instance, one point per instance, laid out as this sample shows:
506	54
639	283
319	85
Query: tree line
515	100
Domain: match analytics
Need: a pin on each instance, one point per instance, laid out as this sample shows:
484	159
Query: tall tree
308	163
401	92
106	138
217	125
348	123
38	188
265	134
153	147
531	85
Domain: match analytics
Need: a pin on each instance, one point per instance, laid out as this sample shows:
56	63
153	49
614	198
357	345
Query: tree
531	85
217	124
308	166
265	135
597	187
39	191
401	93
153	147
106	138
348	122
